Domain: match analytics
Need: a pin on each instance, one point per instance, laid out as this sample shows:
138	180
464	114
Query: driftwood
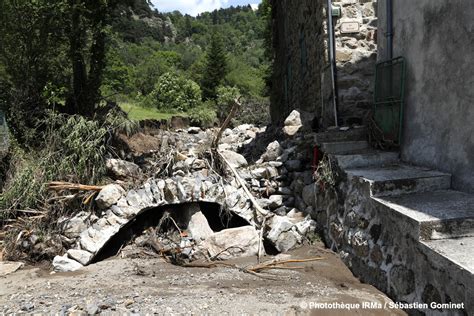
256	269
226	123
60	186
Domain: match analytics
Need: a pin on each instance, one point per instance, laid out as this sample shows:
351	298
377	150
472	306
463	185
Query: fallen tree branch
61	186
242	183
226	123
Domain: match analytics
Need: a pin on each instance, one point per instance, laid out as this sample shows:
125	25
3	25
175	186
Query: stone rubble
278	180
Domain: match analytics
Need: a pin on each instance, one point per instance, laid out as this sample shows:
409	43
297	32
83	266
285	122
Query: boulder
73	227
295	216
234	242
194	130
65	264
93	240
281	234
109	195
292	123
291	130
294	119
235	159
272	152
122	169
275	201
81	256
198	226
9	267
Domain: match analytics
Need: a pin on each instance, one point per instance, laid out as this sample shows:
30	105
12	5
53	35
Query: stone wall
300	56
356	54
301	73
383	249
435	37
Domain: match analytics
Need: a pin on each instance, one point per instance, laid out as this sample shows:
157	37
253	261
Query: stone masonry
302	75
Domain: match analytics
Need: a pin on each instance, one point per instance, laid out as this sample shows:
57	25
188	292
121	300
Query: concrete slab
7	268
342	148
401	179
371	159
459	251
438	215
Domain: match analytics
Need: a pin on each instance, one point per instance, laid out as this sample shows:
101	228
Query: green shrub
203	115
174	92
225	97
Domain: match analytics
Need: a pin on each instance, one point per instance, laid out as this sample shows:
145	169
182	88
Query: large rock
292	123
9	267
294	119
276	201
109	196
282	235
235	159
272	152
81	256
234	242
73	227
122	169
65	264
198	226
93	239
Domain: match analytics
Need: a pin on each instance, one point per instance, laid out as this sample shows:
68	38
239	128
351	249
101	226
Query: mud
148	286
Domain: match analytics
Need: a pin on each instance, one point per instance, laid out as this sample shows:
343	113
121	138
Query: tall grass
74	150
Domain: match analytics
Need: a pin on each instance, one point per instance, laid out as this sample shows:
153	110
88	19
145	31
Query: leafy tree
216	67
174	92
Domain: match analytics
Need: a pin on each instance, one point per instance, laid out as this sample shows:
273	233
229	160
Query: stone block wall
383	249
356	54
299	56
301	72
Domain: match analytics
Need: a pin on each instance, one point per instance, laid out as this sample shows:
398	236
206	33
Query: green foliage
137	113
203	115
74	151
224	100
174	92
216	68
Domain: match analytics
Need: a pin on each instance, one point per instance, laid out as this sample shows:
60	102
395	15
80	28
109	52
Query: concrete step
353	134
400	178
433	215
458	252
342	148
375	158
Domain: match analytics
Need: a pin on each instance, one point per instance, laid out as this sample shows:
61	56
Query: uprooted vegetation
70	148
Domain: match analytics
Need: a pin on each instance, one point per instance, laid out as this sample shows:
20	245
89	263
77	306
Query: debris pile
272	196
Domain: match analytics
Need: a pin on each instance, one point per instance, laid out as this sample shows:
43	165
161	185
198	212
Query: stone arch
216	216
120	208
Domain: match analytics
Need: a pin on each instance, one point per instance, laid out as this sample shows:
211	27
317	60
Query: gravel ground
151	286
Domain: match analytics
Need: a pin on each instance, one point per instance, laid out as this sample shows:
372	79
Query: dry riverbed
147	286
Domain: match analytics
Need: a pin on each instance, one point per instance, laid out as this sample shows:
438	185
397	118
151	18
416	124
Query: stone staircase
420	200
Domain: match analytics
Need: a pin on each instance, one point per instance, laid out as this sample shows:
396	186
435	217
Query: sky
194	7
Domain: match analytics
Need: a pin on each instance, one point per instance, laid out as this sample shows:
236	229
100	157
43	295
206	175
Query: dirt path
147	286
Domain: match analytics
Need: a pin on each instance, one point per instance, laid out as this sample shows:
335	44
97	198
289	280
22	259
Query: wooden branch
60	186
242	183
226	123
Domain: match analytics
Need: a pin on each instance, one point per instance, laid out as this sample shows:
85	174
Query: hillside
147	44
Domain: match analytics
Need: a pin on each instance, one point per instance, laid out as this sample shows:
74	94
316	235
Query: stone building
302	77
402	220
436	39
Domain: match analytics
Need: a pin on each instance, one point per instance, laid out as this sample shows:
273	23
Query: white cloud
254	6
191	7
